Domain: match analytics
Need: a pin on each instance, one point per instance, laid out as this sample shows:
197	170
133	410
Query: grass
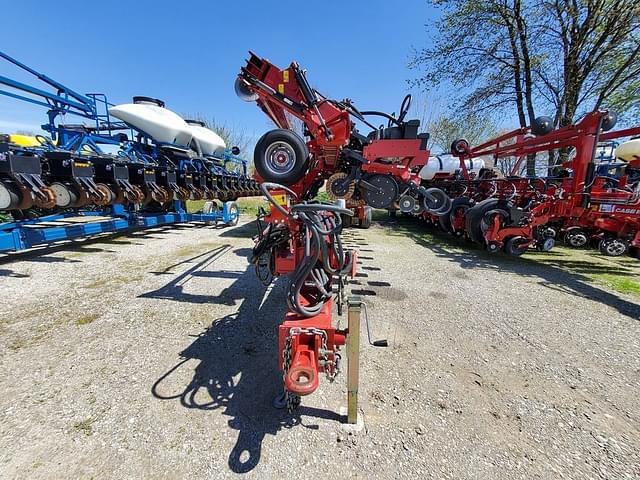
193	248
622	285
618	274
111	280
247	205
87	319
85	426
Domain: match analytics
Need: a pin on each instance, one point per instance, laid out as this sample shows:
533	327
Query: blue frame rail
25	234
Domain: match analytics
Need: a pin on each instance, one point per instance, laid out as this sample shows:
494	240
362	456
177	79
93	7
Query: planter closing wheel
281	156
516	246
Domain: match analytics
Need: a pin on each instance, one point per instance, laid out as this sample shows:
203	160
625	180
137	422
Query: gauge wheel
64	196
613	247
9	197
459	207
576	238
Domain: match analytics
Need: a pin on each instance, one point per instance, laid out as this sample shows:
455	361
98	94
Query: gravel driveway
153	356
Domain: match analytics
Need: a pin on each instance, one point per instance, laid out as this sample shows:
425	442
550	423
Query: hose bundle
311	283
312	279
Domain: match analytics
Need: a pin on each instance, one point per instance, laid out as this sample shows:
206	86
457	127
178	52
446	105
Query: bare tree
233	135
565	57
444	130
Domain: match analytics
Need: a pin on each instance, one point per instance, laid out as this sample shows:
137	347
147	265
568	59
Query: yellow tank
25	140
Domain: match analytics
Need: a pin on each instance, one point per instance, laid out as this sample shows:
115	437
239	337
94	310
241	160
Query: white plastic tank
629	151
209	141
448	164
152	119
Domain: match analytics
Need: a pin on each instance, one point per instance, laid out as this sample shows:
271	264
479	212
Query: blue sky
188	53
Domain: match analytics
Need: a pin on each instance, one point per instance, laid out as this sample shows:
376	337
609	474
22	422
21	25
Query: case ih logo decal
616	208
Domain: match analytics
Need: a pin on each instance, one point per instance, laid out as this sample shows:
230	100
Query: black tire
436	201
634	252
365	222
281	156
474	216
347	221
233	209
514	246
460	147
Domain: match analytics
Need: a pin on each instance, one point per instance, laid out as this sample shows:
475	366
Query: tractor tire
281	156
475	215
365	222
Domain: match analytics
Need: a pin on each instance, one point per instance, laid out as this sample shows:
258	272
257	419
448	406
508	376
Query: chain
331	367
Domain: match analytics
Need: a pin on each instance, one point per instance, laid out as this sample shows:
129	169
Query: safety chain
331	367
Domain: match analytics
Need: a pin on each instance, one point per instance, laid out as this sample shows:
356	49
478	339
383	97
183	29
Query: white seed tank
209	141
152	119
629	151
448	164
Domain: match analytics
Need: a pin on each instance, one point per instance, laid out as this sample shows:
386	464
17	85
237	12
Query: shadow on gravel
553	275
246	230
4	272
237	371
94	244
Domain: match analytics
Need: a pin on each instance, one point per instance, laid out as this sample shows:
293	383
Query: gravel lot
153	356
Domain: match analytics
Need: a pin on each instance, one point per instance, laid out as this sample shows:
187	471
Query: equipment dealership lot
153	356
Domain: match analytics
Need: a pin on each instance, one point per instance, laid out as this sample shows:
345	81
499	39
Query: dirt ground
154	356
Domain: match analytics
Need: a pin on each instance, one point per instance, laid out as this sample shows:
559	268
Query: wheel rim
577	239
407	204
280	158
615	248
62	193
234	213
5	197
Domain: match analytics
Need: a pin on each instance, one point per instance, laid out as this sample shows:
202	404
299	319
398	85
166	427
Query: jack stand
353	358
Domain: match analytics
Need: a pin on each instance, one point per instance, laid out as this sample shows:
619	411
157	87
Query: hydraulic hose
312	278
